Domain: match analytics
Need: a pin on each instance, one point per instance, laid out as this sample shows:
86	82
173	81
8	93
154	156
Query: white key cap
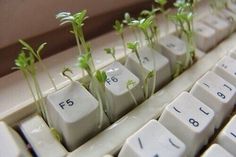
11	144
190	120
119	98
227	137
153	140
162	66
74	112
226	68
231	5
221	26
216	151
174	49
204	36
216	93
228	16
232	53
41	139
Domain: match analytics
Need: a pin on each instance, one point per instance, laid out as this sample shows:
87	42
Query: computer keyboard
208	86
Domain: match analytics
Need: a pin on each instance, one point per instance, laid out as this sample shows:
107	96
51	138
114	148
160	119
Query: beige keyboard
18	119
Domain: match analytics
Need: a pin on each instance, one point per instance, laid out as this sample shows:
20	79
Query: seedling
129	85
134	49
97	78
65	71
151	33
25	62
112	52
127	21
77	22
183	20
119	28
37	55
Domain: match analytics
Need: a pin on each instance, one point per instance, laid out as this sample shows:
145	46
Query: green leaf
119	27
133	46
83	61
101	76
26	46
40	48
130	83
161	2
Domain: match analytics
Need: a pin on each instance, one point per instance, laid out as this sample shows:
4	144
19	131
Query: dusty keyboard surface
206	128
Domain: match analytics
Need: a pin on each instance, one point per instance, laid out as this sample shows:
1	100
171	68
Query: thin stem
123	42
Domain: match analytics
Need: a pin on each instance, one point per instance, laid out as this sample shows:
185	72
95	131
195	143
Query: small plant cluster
183	20
25	62
85	60
145	25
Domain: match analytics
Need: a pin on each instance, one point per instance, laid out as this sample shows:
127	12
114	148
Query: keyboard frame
17	103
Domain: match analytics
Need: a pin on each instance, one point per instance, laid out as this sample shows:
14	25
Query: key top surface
216	93
221	26
227	137
216	150
11	144
204	36
118	96
226	68
147	56
153	140
174	49
190	120
41	139
71	110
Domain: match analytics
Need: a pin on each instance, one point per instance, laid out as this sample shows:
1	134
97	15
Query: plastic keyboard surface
17	108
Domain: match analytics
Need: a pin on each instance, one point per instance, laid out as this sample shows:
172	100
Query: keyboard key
221	26
40	138
174	49
162	68
119	99
227	137
153	140
11	144
216	93
204	36
190	120
226	68
74	113
216	151
228	16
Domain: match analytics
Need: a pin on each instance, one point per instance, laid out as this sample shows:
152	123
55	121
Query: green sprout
149	76
25	62
162	4
150	30
100	79
97	79
134	49
127	21
183	20
36	54
112	52
129	85
77	22
119	28
65	71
